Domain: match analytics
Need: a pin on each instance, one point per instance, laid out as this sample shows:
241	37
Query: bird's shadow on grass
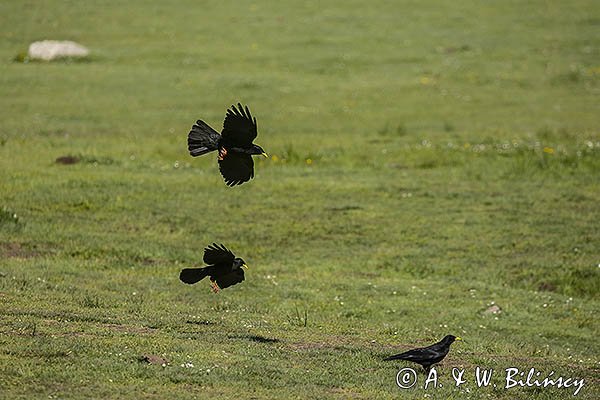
251	338
256	338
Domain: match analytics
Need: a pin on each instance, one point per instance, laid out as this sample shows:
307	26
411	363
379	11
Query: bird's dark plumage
236	168
234	144
224	268
202	139
427	356
239	127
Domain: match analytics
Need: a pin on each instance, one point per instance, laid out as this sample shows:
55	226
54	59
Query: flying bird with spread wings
224	268
234	144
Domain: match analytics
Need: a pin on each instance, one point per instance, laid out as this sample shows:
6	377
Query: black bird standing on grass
224	268
427	356
234	144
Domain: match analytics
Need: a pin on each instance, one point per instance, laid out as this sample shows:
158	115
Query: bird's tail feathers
396	357
202	139
192	275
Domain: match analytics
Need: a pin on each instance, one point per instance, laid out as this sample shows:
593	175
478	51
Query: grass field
428	160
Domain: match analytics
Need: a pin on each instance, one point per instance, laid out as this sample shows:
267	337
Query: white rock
52	49
493	309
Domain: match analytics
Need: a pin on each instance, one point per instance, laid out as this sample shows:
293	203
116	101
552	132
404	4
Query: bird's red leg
214	287
222	153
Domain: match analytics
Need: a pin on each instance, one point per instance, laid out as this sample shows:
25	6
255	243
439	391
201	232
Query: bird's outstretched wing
230	279
218	254
239	127
236	168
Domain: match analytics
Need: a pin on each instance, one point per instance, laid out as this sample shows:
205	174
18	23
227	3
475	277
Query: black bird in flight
427	356
234	144
224	268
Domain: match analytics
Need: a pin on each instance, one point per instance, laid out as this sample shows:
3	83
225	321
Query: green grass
428	160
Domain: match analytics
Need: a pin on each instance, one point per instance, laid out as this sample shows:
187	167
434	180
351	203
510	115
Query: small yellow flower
274	158
425	80
594	71
308	161
467	145
548	150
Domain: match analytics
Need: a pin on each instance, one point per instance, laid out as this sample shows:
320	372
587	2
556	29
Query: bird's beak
458	338
264	154
244	266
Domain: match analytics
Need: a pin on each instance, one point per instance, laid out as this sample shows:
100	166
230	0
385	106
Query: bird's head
450	339
239	263
257	150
